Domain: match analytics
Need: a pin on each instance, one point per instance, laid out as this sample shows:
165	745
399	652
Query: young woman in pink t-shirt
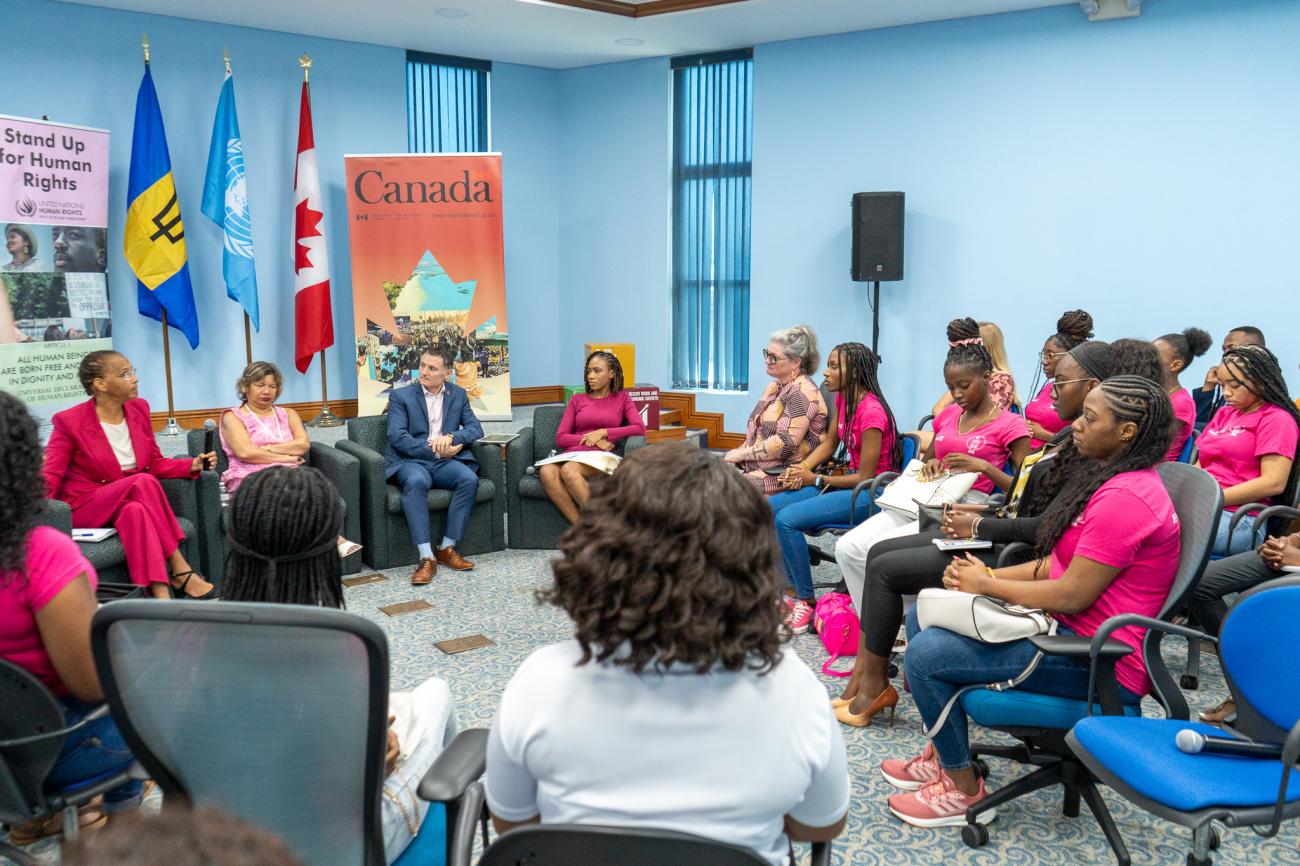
1249	446
595	421
1176	352
1072	328
1114	544
972	435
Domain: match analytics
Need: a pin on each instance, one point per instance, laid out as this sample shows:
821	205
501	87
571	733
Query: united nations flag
155	235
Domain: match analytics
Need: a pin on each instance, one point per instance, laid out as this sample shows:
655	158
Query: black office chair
32	730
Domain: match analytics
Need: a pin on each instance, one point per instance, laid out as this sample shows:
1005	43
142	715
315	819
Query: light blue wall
1146	170
82	65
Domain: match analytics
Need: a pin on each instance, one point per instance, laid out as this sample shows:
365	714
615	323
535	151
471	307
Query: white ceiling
542	34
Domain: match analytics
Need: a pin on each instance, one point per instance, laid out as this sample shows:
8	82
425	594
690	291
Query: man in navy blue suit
430	429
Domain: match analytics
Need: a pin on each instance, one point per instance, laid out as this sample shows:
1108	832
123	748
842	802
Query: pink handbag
837	622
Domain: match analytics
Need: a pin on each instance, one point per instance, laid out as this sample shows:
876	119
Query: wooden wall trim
534	396
641	10
710	422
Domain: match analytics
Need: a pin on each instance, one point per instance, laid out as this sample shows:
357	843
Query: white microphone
1194	743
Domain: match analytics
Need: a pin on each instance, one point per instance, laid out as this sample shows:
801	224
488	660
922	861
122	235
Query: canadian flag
313	320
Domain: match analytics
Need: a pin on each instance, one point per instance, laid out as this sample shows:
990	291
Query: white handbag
981	617
986	619
906	492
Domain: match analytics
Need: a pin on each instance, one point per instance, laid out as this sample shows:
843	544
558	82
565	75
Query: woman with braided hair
1249	446
1109	544
1002	385
974	434
282	530
1177	351
865	438
1072	328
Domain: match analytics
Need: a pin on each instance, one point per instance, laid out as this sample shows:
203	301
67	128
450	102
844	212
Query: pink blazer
79	460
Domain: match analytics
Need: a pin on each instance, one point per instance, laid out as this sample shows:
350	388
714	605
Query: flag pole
324	418
248	338
172	428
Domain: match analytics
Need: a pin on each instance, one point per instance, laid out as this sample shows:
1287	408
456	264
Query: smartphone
947	544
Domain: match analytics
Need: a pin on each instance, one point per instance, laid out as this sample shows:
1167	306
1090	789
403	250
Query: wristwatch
819	481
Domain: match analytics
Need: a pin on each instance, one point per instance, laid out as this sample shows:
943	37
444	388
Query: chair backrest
370	431
194	443
27	709
582	845
546	423
911	449
1258	646
276	713
1198	501
1188	454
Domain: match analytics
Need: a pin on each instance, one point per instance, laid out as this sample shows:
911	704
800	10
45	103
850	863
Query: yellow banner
155	236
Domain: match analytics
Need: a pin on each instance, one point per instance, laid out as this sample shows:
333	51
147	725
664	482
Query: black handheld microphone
1194	743
209	437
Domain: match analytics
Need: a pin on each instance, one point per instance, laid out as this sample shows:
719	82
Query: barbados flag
154	239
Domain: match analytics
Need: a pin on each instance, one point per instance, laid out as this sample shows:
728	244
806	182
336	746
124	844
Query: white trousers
854	546
425	723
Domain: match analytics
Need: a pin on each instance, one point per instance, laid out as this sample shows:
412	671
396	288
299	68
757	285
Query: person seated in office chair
1110	545
595	421
283	528
47	598
674	705
430	429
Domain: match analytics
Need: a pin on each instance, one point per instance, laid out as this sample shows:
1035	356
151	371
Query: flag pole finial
225	55
144	43
305	63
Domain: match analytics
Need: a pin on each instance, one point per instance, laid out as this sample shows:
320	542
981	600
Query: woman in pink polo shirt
1249	446
1113	540
595	421
1176	353
1074	327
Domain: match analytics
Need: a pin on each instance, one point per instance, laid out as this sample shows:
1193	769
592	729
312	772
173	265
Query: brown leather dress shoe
424	572
449	557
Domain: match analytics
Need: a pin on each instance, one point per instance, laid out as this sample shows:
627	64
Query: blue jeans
800	511
940	662
1242	539
415	479
92	752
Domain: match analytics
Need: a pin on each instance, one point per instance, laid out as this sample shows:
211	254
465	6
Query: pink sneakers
799	617
939	804
914	773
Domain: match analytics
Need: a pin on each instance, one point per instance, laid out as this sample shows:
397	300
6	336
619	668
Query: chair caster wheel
1187	681
891	671
1193	860
981	768
975	835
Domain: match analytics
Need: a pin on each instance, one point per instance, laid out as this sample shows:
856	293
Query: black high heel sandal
179	591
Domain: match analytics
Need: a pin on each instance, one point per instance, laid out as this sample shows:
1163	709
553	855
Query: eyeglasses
1057	383
1047	356
128	373
768	357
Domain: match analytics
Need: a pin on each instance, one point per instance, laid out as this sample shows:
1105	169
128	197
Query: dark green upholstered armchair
383	528
197	506
343	471
535	522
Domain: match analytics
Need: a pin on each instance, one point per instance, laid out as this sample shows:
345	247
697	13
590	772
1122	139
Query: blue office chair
1189	452
1140	759
1041	722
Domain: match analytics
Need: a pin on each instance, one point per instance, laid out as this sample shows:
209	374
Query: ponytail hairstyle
966	347
1191	343
1073	328
1130	398
1260	373
800	344
858	366
615	384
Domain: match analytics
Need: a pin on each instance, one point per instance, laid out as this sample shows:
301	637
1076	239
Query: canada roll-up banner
428	268
54	212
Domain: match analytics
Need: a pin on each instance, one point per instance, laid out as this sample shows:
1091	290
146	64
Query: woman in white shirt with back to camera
675	705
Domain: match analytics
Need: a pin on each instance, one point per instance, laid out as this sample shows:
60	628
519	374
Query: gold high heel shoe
887	698
836	703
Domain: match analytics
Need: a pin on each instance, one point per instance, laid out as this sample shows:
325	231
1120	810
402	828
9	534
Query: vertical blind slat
446	108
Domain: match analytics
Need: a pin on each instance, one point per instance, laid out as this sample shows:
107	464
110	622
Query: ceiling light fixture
449	12
628	40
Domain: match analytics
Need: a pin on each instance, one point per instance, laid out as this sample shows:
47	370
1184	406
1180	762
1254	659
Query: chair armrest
1284	512
873	485
1077	647
1290	754
57	514
343	471
1005	554
821	854
490	465
1242	511
1173	701
458	765
632	443
519	457
460	832
920	425
97	713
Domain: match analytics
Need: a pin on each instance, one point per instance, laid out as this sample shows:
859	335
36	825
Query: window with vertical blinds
446	103
713	97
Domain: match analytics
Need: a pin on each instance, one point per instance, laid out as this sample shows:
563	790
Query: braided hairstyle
966	347
1191	343
283	512
22	489
1130	398
1260	373
616	383
1073	328
858	366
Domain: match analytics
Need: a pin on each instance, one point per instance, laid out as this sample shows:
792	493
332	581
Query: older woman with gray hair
790	418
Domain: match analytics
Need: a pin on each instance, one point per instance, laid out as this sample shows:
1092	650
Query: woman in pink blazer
103	460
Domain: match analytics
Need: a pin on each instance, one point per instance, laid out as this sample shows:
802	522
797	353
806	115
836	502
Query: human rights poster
428	268
54	307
